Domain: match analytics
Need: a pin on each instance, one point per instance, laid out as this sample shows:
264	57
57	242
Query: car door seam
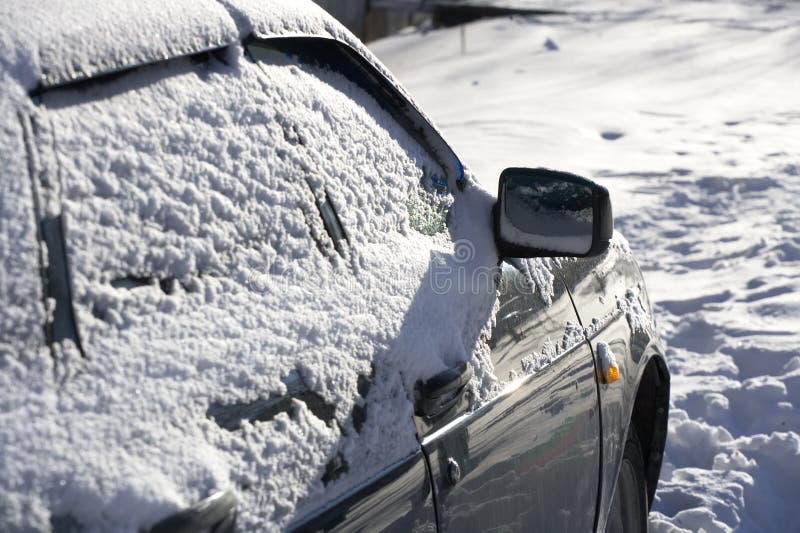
599	406
431	483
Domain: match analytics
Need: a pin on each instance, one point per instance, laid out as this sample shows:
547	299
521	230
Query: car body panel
610	296
529	458
398	499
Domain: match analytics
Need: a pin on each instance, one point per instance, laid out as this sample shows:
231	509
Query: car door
528	459
609	294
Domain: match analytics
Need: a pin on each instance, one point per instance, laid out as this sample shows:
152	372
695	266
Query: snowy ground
690	113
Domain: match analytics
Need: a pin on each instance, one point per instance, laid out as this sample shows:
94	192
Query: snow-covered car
245	283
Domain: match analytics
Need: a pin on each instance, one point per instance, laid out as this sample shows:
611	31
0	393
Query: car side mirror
546	213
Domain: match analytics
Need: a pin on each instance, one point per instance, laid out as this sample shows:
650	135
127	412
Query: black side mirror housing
547	213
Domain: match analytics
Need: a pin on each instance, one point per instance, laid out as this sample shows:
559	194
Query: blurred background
373	19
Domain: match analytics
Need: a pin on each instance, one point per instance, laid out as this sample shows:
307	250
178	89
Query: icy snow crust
206	186
52	43
688	113
57	41
202	273
22	312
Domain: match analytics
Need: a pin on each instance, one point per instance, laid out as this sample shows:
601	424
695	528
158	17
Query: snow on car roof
47	44
52	43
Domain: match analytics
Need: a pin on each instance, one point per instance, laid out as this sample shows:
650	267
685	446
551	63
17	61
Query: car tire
628	512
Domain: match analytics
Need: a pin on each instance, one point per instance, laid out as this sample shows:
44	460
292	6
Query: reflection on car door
607	289
398	499
529	458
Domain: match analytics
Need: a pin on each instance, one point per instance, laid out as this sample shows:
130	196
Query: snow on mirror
548	210
544	212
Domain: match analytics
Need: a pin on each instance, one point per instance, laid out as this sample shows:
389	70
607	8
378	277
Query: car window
336	65
243	242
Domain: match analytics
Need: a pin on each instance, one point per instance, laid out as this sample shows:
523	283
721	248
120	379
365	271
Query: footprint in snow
611	135
550	44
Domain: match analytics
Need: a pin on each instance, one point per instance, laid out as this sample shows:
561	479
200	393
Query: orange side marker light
611	374
608	363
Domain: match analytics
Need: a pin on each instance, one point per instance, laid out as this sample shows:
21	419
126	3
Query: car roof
51	43
48	43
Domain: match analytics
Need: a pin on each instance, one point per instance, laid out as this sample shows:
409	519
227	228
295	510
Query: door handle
441	393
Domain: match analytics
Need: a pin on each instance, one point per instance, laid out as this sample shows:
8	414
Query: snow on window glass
427	210
26	365
219	319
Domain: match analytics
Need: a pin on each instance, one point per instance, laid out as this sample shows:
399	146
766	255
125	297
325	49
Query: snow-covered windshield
205	279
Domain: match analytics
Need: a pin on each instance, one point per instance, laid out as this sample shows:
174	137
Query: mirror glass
548	213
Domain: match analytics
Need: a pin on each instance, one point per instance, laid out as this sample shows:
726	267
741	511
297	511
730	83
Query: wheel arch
649	418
